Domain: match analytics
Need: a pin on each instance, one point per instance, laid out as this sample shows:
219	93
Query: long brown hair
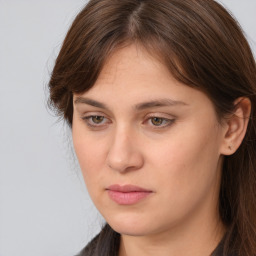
204	47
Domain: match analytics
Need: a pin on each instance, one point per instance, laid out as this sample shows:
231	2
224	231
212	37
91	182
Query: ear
235	126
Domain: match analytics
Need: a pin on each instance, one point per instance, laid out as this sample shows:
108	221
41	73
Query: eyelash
92	124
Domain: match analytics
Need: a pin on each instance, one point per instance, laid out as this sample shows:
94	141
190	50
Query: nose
124	152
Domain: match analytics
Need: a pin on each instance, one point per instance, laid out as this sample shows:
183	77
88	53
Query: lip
127	194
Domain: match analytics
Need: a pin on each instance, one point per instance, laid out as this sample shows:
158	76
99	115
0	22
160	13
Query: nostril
126	161
123	169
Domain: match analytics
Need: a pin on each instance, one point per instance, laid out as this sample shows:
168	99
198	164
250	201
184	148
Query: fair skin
139	126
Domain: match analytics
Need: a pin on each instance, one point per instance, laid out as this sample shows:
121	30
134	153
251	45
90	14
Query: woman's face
149	147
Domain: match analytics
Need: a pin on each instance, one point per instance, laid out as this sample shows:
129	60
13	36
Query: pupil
157	121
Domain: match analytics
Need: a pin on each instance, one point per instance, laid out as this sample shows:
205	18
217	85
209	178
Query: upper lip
127	188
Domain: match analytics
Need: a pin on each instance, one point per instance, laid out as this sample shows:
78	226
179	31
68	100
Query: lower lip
128	198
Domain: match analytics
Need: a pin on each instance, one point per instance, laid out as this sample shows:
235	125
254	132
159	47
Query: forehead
133	65
131	59
132	70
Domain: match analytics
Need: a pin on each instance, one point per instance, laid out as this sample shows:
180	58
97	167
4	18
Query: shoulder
107	242
220	251
90	248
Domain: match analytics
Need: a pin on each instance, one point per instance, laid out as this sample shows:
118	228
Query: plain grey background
44	207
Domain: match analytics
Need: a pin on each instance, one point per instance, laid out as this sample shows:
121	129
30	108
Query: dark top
106	243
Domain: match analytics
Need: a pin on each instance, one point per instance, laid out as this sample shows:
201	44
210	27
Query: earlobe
236	126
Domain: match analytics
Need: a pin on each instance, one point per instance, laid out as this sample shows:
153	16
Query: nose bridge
124	153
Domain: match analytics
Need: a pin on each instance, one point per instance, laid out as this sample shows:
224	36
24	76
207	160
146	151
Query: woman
161	99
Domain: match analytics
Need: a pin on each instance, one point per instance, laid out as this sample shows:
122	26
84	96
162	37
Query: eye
159	122
95	120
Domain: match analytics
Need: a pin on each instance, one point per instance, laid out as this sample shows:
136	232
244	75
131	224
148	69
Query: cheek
91	160
186	163
89	151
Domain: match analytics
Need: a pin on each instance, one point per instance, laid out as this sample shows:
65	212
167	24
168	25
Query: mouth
127	194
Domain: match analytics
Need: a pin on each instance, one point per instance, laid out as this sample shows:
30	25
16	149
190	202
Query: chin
130	226
130	231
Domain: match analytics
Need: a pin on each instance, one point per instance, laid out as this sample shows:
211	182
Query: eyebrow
94	103
159	103
141	106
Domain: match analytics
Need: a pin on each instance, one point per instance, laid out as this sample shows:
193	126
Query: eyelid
160	115
93	113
